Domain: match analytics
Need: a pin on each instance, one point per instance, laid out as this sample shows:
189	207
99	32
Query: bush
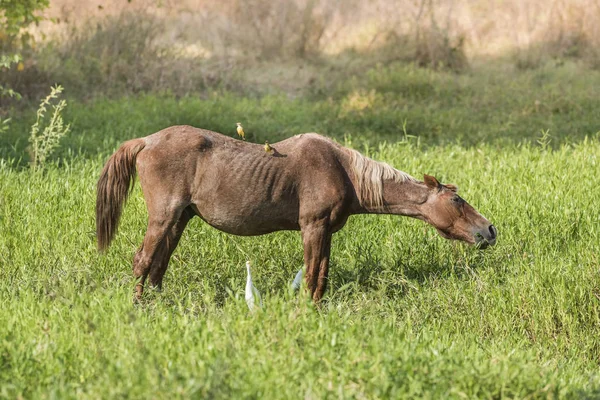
43	142
570	31
15	18
264	46
265	29
119	53
6	63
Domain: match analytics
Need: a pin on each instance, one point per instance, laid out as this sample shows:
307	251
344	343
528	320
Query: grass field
407	314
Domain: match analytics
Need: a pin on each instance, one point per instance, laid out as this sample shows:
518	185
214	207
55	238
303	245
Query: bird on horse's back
236	186
307	183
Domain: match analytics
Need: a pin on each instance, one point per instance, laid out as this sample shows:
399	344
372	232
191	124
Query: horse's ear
431	182
452	187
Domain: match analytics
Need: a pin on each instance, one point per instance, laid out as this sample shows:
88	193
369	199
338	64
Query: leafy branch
44	141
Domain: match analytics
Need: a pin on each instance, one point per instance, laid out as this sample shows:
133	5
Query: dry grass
569	30
276	28
191	45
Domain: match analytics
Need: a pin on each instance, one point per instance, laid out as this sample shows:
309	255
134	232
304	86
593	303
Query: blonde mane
370	175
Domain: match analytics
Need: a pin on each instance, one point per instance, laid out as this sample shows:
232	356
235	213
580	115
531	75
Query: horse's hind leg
158	269
154	244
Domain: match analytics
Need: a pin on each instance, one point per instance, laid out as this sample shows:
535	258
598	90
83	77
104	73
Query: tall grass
385	103
197	46
408	314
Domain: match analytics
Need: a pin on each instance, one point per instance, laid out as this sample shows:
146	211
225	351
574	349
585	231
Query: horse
308	183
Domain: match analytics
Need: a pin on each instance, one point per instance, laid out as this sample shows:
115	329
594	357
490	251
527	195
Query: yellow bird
268	147
240	130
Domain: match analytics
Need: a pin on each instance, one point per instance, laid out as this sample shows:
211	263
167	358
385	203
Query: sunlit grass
408	314
384	104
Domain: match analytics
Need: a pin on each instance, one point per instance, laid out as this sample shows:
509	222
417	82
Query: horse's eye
457	200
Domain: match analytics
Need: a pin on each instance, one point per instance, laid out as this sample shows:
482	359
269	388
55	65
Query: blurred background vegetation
441	70
114	47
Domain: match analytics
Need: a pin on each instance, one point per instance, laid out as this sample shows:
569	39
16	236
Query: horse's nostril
493	231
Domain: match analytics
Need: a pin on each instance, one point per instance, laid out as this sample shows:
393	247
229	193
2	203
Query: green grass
407	315
384	104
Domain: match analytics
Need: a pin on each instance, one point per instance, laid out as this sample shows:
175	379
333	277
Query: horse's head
453	217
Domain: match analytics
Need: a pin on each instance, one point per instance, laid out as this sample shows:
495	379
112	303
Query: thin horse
308	183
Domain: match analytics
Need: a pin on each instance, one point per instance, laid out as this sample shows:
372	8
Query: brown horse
307	183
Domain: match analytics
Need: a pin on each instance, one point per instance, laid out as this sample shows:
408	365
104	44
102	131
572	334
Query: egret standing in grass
298	279
252	293
240	130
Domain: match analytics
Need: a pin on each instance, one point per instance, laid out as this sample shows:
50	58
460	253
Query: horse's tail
115	184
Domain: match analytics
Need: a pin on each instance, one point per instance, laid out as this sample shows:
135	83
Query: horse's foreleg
152	246
317	244
158	269
323	270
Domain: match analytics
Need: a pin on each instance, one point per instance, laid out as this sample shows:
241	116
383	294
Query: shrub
43	142
116	53
15	18
569	30
260	29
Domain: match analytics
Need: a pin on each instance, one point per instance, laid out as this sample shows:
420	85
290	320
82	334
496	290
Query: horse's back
237	186
180	139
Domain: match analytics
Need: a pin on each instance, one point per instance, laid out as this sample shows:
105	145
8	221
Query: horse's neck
400	198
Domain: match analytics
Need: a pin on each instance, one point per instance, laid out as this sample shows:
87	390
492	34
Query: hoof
139	290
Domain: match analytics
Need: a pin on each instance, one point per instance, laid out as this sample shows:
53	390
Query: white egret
298	279
252	293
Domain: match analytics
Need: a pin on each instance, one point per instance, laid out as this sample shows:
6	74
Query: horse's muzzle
487	237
